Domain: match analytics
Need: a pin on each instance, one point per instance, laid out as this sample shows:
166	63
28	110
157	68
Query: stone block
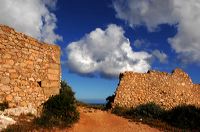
11	70
5	80
48	92
6	66
9	98
14	75
10	62
5	88
6	56
53	77
45	84
53	71
54	66
29	62
54	84
16	89
22	64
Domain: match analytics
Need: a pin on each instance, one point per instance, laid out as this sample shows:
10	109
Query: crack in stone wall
29	70
165	89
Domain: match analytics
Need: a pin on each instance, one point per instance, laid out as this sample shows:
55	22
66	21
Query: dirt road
100	121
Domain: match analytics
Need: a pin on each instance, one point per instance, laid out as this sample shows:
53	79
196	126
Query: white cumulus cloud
107	52
183	14
138	43
145	12
161	56
32	17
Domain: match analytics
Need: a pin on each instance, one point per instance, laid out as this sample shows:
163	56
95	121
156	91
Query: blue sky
101	38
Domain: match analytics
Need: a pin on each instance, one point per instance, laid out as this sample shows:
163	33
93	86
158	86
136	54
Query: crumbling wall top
165	89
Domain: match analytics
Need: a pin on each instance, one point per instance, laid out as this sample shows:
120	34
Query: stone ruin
30	70
165	89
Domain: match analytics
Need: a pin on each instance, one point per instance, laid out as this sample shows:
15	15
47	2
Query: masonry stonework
165	89
29	70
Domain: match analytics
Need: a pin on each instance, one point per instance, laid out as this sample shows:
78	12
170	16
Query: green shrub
150	110
119	111
3	106
110	100
185	116
60	110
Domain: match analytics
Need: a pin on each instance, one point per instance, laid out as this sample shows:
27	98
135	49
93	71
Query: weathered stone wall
29	69
164	89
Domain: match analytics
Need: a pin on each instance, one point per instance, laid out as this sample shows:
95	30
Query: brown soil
101	121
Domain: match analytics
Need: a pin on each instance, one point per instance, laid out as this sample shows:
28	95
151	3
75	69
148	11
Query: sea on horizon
93	101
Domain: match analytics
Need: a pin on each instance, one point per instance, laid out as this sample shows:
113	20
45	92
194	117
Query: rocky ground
10	116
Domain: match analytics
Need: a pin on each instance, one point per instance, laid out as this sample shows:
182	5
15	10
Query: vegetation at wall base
185	117
150	110
109	101
3	106
59	110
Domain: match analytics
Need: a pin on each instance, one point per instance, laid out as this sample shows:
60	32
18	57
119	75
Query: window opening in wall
39	83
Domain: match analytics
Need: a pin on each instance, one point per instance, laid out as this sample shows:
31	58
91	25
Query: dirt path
99	121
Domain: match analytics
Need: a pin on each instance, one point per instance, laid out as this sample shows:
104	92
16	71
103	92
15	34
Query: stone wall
164	89
29	69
